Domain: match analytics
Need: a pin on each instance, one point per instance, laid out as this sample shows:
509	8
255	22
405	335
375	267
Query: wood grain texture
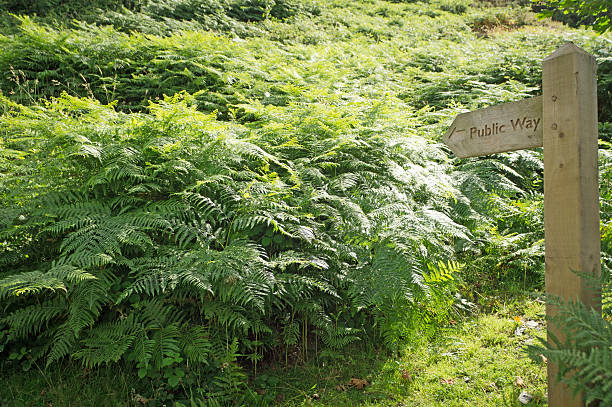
571	193
506	127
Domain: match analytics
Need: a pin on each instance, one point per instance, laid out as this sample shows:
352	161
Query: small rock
532	324
525	397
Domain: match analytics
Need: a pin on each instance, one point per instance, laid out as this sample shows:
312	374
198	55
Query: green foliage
161	17
87	60
584	357
61	8
594	13
605	202
187	203
604	96
173	234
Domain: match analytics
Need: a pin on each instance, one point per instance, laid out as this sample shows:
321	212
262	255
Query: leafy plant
594	12
178	235
188	204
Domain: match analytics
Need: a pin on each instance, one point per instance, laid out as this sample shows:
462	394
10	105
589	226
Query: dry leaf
358	383
406	375
447	381
137	398
316	396
340	387
519	382
544	358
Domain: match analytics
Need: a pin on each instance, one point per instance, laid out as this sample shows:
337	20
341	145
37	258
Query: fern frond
86	302
33	319
165	344
64	341
107	342
29	283
195	344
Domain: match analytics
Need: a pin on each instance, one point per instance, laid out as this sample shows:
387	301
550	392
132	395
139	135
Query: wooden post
571	193
568	114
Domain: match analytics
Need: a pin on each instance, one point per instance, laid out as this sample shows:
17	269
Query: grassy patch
476	362
67	385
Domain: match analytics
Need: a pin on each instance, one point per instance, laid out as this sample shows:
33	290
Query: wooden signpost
507	127
564	121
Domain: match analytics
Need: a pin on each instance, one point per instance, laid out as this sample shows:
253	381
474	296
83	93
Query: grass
66	385
475	362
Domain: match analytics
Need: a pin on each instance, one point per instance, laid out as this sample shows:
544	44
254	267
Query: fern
339	337
195	344
109	341
185	238
584	357
32	282
32	319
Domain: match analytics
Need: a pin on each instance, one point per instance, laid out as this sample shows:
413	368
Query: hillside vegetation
192	188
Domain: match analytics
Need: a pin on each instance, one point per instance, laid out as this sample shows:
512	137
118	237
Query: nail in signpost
564	121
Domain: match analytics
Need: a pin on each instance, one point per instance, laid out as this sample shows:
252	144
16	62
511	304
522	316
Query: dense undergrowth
191	187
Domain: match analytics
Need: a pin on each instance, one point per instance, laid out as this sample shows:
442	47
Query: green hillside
215	197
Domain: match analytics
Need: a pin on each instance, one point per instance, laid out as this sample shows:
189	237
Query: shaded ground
477	362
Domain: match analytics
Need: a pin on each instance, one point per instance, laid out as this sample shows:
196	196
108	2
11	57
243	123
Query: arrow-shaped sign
505	127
